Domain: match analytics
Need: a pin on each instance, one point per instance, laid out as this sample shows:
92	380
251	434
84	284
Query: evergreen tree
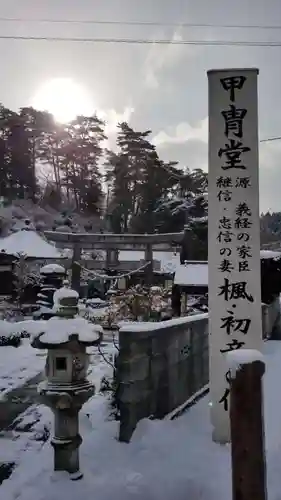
184	202
82	154
74	151
135	181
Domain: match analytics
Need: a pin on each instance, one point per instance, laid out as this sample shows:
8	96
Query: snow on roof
59	330
30	244
192	274
168	260
52	268
270	254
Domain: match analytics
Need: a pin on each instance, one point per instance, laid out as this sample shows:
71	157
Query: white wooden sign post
234	230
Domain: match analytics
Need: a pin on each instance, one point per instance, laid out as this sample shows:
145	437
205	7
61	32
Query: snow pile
59	330
236	359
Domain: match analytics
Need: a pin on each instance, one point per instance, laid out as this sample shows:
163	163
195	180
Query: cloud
192	154
270	153
188	145
182	133
112	118
163	56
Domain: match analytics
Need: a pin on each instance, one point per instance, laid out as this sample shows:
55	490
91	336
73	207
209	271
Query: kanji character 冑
234	120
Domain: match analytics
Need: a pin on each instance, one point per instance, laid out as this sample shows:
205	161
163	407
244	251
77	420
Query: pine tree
128	175
82	154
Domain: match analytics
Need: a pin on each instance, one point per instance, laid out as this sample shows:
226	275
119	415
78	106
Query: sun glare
64	98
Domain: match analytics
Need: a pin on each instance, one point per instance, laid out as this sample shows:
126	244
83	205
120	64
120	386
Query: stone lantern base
66	402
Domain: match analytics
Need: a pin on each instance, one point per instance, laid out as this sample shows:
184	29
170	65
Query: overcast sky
161	88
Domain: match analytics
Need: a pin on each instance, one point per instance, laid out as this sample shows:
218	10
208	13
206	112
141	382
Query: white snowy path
167	460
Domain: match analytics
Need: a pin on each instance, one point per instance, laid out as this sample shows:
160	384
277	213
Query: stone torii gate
112	243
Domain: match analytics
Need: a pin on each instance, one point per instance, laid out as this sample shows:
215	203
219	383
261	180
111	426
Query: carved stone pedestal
66	404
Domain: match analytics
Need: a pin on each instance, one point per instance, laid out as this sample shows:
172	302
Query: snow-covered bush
9	336
135	304
13	340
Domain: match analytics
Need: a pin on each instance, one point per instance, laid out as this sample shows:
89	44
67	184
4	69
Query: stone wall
161	365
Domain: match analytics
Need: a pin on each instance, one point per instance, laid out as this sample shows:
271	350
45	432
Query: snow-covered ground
18	365
166	459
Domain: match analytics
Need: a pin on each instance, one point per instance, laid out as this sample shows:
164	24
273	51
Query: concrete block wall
161	365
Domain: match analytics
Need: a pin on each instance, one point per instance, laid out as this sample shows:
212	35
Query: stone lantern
52	277
66	388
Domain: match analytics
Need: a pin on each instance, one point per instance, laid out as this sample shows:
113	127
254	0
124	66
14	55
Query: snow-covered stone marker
246	368
237	359
66	389
234	280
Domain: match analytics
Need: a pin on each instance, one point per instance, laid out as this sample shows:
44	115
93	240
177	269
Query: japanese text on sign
233	232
